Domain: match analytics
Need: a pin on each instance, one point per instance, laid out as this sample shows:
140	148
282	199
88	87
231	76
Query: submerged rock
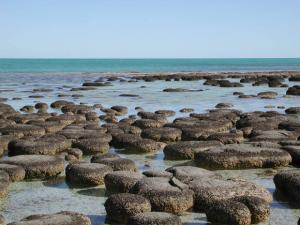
61	218
154	218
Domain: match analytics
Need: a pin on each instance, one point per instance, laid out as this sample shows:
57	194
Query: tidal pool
37	197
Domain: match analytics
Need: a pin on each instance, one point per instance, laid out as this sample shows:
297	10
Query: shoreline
203	74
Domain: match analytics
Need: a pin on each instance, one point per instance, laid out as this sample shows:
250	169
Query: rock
208	191
242	156
187	174
229	212
295	90
16	173
294	151
49	126
288	183
148	123
290	125
156	173
178	90
166	113
154	218
87	174
41	105
23	129
27	109
267	95
186	110
294	78
37	166
120	109
136	143
293	110
121	181
259	208
163	195
91	145
272	135
119	207
224	105
4	141
61	218
129	95
186	149
227	138
47	145
162	134
60	103
4	183
146	146
152	116
115	162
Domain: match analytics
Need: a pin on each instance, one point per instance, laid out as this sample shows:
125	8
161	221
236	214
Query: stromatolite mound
294	151
288	183
23	129
121	181
4	183
273	135
210	190
119	207
295	90
165	194
37	166
16	173
162	134
87	174
61	218
242	156
115	162
229	212
186	149
154	218
91	145
47	145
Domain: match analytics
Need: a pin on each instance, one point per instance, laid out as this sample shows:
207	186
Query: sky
149	28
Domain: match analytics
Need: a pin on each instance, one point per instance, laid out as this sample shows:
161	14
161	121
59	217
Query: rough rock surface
119	207
37	166
154	218
242	156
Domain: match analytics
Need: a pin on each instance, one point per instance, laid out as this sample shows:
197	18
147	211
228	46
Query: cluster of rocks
42	145
156	197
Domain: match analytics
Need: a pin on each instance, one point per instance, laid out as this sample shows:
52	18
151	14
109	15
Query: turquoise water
147	65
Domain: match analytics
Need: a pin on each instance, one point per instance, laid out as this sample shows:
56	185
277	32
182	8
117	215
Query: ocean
147	65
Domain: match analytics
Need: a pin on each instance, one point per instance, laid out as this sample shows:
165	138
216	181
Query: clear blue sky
149	28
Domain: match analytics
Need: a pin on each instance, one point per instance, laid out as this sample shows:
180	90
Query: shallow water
27	198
